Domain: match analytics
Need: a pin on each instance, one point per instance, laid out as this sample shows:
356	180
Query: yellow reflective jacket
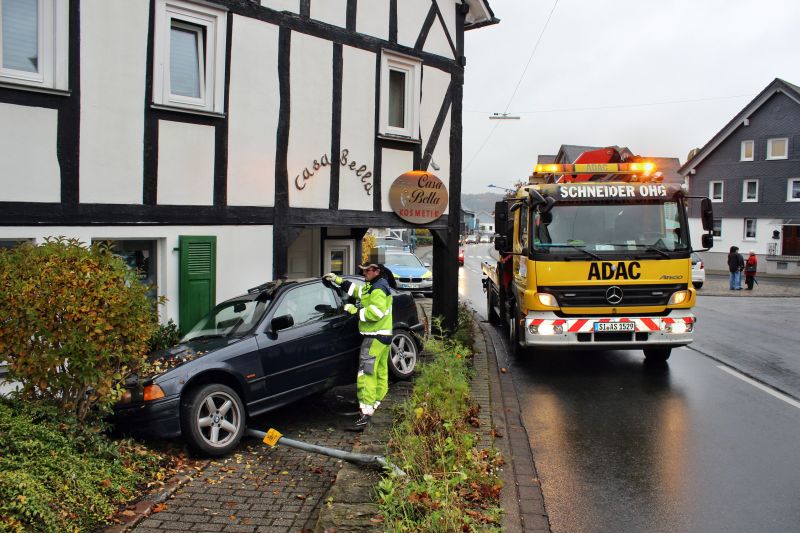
375	315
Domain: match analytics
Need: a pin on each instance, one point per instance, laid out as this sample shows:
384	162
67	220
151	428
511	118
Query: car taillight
701	265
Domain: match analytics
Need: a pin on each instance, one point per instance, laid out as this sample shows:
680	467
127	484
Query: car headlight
395	274
678	297
547	299
427	275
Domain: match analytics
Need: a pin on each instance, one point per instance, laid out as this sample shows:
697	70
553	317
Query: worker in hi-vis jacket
374	311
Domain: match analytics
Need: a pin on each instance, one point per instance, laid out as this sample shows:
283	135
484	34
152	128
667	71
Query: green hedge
55	476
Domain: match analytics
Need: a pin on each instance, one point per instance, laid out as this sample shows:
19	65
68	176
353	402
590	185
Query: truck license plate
614	326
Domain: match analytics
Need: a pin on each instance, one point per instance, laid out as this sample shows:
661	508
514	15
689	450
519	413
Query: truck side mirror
708	240
707	214
500	243
500	217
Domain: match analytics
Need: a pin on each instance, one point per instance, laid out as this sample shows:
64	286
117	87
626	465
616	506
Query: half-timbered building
222	143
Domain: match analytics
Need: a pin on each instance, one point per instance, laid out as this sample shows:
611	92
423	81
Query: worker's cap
377	257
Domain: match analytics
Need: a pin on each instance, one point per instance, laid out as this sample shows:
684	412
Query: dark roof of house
777	86
544	159
568	153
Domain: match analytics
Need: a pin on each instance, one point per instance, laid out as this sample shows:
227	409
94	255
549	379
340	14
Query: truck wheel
657	355
212	419
491	314
514	332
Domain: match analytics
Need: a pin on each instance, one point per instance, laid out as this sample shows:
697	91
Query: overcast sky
658	76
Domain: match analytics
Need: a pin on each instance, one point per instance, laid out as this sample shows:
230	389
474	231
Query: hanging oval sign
418	197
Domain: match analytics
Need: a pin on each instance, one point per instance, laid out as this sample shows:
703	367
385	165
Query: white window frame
789	186
770	156
744	191
721	190
212	81
744	229
412	68
742	156
53	51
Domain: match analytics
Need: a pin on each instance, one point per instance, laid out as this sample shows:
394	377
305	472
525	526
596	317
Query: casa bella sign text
418	197
344	160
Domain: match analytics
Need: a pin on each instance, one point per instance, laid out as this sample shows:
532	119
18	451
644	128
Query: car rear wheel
212	419
657	355
697	284
403	355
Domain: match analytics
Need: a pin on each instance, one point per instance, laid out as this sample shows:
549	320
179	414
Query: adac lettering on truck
606	270
613	191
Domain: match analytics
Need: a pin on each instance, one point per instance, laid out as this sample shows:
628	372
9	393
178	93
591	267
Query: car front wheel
212	419
403	355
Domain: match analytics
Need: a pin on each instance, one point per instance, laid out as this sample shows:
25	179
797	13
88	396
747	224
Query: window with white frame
778	148
749	228
401	77
793	190
34	43
750	191
747	151
717	227
715	191
189	62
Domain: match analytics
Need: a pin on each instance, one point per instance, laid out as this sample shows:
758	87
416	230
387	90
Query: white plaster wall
373	18
244	253
113	68
253	113
310	128
282	5
434	88
330	11
436	42
395	163
29	169
448	9
304	256
410	18
358	127
185	163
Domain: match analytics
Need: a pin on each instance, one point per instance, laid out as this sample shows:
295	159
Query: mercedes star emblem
614	295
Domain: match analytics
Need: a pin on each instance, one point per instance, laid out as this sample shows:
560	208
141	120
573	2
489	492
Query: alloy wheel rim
218	419
403	359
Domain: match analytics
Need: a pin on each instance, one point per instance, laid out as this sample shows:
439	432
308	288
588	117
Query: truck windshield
617	228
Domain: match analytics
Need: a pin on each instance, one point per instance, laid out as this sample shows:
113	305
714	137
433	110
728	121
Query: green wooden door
198	279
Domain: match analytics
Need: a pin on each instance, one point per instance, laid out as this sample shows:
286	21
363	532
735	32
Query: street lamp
503	116
502	188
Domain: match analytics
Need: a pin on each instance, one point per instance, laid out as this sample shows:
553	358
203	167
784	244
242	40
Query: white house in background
220	143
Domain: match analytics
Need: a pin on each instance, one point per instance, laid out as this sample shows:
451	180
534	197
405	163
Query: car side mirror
708	240
281	322
707	214
426	265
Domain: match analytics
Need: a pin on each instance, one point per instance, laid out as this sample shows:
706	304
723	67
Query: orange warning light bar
644	168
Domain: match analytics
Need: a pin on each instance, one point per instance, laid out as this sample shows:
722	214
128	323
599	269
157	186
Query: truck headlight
546	299
678	297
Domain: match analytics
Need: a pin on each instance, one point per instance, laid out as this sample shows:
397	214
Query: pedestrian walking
735	266
750	269
374	309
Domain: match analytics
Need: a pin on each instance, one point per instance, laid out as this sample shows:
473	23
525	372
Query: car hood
169	358
406	271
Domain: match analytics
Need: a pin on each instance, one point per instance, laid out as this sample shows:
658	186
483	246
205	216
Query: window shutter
198	279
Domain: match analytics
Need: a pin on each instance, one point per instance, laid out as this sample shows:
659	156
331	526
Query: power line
516	88
621	106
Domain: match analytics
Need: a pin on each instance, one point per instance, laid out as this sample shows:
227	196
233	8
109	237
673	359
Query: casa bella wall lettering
418	197
344	160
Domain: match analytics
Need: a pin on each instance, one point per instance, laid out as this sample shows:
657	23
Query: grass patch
451	484
55	476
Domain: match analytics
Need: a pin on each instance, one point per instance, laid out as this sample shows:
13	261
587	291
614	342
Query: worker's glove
350	308
333	278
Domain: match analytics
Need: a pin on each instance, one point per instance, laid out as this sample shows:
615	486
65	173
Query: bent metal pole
356	458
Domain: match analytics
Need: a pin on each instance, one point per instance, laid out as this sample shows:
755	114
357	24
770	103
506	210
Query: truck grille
595	296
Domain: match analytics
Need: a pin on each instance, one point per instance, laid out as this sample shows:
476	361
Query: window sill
751	201
34	88
399	138
187	110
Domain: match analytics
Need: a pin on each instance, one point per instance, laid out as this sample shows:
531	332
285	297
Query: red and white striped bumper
541	329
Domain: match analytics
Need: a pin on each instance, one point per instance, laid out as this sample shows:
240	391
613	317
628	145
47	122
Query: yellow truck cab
601	263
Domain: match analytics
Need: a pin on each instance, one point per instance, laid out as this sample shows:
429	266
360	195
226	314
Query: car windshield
406	260
234	318
592	228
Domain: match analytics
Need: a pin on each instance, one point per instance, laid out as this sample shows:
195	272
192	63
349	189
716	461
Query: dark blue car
278	343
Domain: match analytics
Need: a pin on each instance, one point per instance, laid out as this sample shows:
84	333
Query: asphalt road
705	443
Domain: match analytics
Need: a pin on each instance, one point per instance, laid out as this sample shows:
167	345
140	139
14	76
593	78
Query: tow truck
597	255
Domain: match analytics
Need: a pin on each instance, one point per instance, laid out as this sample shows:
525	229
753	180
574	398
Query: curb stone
144	507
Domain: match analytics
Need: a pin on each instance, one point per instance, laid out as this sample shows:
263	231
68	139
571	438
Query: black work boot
360	423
